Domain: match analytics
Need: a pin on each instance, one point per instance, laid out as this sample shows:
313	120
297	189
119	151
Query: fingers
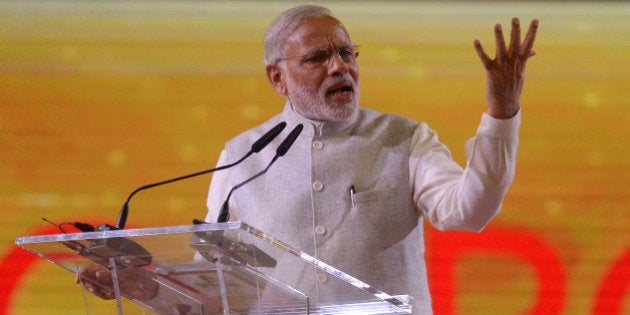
91	275
137	283
516	49
528	42
505	73
501	52
97	290
531	54
515	40
104	276
485	59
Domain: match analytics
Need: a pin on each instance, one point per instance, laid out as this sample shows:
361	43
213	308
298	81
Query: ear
276	78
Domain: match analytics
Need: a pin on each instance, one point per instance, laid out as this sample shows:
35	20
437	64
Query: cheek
354	72
310	79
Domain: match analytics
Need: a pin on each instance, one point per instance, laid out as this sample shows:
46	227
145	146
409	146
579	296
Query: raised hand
505	74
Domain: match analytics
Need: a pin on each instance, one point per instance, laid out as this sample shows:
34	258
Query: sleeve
219	189
454	198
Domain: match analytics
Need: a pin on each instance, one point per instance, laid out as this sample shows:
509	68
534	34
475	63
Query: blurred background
98	98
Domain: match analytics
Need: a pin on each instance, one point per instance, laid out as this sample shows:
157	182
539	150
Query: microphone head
288	142
224	215
122	216
282	149
268	137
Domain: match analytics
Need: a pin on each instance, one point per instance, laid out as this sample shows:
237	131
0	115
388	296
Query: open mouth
343	88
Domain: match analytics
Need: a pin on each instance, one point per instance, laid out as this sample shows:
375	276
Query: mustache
345	79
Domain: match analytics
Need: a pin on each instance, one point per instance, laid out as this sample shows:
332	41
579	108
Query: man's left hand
506	73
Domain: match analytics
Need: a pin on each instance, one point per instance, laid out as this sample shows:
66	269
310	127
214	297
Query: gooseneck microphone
255	148
282	149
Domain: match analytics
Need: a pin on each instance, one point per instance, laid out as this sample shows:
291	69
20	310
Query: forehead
318	32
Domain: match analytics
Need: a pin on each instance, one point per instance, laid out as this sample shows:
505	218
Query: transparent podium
223	268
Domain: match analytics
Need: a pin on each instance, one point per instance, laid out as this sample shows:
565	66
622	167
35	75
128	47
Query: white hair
284	25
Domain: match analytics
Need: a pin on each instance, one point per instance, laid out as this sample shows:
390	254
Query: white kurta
401	174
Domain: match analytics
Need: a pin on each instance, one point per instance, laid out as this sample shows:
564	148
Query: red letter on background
444	248
614	287
14	265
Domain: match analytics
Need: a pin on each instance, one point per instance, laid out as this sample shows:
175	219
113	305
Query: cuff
499	128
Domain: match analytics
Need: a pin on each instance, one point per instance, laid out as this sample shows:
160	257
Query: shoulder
389	123
244	140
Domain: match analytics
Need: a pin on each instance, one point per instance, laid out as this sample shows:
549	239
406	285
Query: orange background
99	98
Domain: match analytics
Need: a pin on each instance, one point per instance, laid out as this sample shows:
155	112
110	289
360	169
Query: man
354	188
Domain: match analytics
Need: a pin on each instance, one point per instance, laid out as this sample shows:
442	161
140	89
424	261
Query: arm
467	199
452	198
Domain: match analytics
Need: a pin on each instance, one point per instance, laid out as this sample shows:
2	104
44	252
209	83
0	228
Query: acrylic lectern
223	268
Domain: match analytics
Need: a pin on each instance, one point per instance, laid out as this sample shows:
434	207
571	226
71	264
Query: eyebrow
326	48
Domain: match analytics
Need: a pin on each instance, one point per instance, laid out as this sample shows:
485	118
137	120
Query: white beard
312	104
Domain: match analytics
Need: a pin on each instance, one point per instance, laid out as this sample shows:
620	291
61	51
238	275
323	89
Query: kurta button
318	186
320	230
318	145
322	277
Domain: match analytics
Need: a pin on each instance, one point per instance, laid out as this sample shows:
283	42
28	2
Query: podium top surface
173	250
23	240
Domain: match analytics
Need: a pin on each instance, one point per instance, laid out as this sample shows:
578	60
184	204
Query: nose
336	65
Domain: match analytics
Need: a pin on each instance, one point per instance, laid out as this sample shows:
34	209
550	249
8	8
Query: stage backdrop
99	98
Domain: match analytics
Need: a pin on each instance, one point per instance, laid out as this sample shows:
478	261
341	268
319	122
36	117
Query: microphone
255	148
282	149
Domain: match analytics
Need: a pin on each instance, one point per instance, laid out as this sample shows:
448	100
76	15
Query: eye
317	57
347	54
